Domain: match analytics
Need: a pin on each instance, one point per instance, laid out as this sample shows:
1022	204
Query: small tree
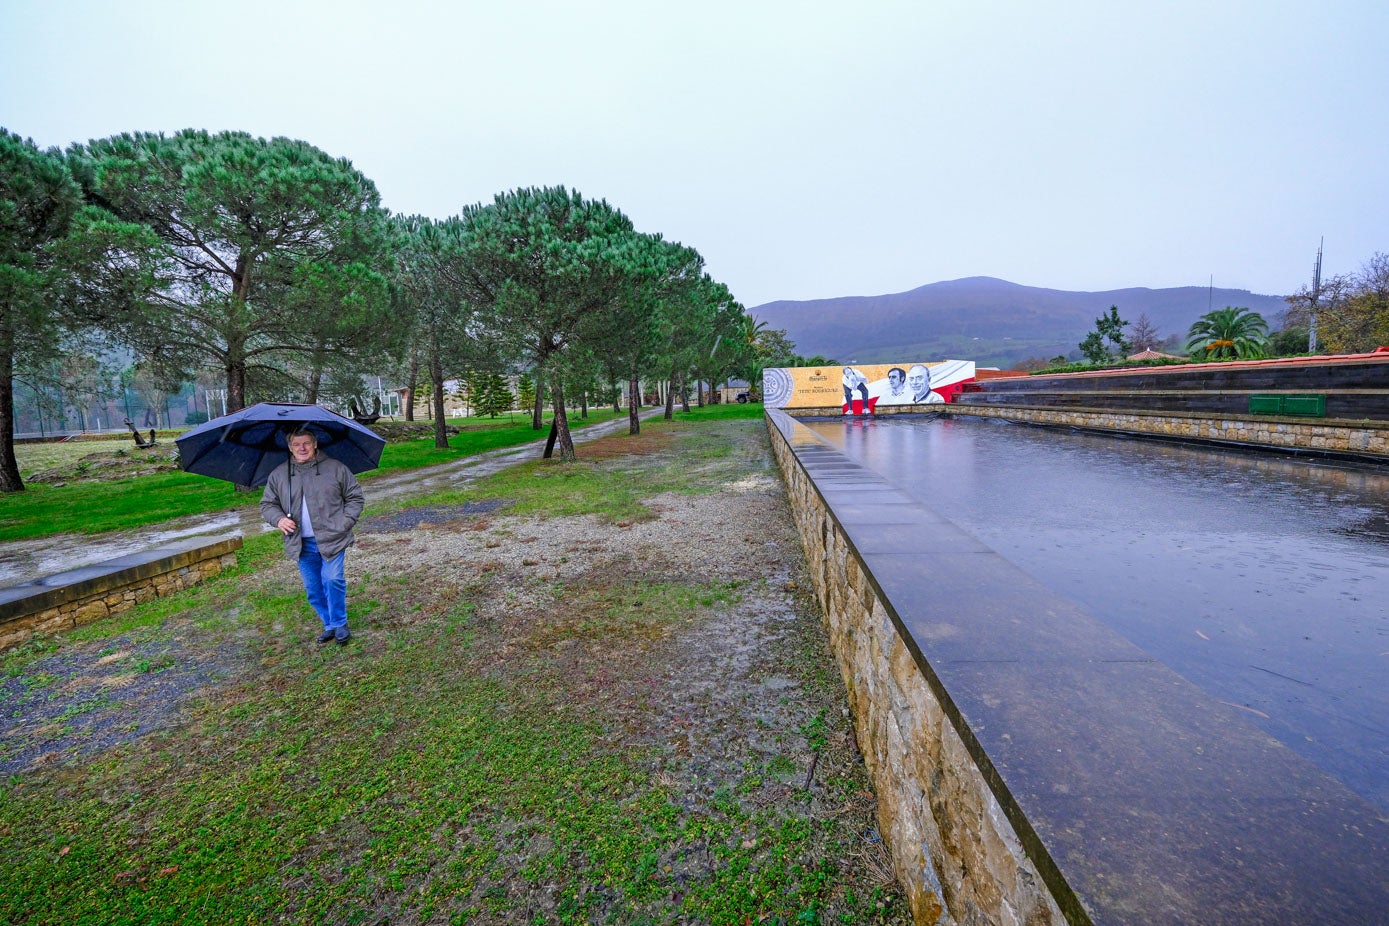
1227	334
525	385
492	396
1288	342
1101	344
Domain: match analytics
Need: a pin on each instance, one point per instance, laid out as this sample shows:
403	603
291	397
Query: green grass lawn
92	506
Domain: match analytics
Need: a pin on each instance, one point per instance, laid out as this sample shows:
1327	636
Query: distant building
731	388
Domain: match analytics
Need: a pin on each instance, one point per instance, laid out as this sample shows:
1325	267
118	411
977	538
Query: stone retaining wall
80	596
952	848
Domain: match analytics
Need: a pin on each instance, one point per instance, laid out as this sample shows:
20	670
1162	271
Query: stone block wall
61	602
952	848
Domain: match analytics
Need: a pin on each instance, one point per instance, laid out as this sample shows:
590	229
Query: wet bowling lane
1262	579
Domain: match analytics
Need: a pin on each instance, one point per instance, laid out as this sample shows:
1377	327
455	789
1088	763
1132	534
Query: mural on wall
859	390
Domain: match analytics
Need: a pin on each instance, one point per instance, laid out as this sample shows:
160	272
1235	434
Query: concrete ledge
79	596
1033	766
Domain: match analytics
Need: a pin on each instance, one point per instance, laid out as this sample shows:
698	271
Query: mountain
990	321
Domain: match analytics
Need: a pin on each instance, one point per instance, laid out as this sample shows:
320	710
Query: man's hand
286	525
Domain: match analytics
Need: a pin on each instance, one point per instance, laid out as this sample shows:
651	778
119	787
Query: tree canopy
543	262
59	261
38	199
1353	309
274	263
268	252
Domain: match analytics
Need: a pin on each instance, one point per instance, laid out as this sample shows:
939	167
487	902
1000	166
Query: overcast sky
806	149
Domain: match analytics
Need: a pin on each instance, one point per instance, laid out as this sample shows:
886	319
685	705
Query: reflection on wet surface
1261	579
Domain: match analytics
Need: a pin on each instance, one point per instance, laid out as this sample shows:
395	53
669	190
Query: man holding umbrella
314	501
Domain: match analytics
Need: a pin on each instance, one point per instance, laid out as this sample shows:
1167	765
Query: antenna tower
1316	294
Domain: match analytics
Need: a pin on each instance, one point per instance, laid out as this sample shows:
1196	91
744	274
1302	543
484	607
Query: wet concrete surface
1142	795
1260	579
27	560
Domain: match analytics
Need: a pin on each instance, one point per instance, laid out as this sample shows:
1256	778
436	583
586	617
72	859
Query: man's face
302	448
894	379
918	379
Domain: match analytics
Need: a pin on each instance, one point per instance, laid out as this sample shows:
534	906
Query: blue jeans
325	583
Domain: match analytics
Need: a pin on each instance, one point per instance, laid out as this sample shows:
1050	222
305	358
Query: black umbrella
245	446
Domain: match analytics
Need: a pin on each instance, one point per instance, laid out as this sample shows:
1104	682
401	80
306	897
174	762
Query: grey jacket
335	502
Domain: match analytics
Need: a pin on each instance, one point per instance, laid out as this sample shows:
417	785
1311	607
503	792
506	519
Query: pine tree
493	397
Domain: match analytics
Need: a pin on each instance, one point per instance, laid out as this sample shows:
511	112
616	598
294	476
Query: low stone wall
1361	439
80	596
952	848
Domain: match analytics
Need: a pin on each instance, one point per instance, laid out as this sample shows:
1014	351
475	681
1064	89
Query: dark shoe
342	636
326	636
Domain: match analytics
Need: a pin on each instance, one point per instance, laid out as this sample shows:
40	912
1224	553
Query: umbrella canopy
246	446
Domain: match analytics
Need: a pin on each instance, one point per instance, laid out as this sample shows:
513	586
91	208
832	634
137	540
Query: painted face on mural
920	382
896	380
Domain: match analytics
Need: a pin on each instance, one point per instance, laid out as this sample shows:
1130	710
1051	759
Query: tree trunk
583	404
633	401
550	440
538	412
315	379
670	397
617	398
699	392
236	346
10	480
412	377
684	394
561	424
436	373
236	385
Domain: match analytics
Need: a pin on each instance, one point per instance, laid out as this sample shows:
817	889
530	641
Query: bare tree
1143	334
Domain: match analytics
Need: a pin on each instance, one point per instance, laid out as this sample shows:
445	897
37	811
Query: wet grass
89	506
479	436
594	485
92	507
431	772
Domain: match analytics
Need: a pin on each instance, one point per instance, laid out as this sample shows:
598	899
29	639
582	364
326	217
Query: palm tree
1228	333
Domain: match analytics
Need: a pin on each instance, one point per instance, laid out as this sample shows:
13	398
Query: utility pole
1316	294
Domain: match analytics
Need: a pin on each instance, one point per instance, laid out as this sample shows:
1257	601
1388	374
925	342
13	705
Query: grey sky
806	149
